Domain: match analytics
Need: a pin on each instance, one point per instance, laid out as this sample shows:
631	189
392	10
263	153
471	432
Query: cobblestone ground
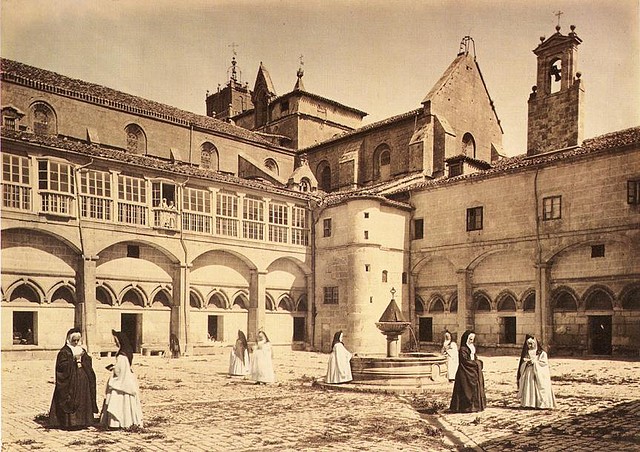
189	404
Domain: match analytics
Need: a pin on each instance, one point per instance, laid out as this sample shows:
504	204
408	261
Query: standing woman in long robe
450	350
468	390
121	408
239	357
534	378
262	361
74	397
339	366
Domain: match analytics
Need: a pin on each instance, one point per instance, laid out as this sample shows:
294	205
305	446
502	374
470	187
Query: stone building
119	212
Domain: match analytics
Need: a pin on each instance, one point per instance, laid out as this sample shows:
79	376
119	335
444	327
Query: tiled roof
366	128
41	79
302	92
614	140
145	162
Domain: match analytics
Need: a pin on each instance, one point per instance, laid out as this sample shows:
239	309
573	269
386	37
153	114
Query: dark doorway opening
509	330
299	329
131	326
212	328
425	329
24	328
600	334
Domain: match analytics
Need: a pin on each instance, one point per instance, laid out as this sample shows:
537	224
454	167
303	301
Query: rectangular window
55	181
16	189
132	200
278	221
366	235
597	251
425	329
253	219
366	214
326	227
330	295
455	169
474	219
196	210
552	208
633	192
24	328
9	122
299	228
95	195
418	229
227	214
133	251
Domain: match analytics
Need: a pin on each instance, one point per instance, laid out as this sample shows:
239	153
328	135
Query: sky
379	56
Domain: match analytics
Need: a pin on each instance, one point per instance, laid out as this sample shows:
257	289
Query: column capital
543	265
89	257
464	271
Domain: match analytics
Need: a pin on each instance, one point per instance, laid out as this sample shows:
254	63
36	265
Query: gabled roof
558	40
449	73
264	78
44	80
302	93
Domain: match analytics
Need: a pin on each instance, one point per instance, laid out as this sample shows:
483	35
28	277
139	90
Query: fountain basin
407	369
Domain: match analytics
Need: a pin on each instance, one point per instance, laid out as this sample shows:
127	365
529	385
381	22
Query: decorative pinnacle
393	292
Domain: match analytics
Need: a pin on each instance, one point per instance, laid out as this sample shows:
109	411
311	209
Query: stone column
86	317
543	312
180	307
310	303
465	301
257	301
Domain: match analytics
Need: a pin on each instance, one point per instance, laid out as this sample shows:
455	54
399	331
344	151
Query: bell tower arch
556	102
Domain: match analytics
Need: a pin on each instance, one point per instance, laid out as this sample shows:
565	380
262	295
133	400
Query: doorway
131	326
509	330
299	329
600	335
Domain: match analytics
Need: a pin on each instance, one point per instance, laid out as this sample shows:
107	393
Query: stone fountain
398	371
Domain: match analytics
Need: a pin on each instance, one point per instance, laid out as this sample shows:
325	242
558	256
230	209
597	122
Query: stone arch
481	301
132	295
553	255
272	166
477	260
323	175
436	304
174	259
25	290
105	296
453	303
241	257
446	270
44	120
42	240
240	301
630	297
160	298
528	300
598	298
217	299
269	303
209	157
302	305
564	299
285	303
419	304
506	301
382	162
469	145
63	293
195	299
136	139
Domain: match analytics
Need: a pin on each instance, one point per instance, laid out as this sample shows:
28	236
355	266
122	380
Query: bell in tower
556	101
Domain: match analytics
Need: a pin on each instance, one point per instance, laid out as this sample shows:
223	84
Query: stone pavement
189	404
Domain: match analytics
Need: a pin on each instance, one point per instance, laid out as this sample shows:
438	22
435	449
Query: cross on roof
558	14
233	46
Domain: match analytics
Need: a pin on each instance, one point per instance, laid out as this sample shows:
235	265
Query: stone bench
155	350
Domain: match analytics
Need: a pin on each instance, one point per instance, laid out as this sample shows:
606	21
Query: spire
299	85
234	72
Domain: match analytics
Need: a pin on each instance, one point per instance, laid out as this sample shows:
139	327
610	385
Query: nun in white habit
450	350
339	367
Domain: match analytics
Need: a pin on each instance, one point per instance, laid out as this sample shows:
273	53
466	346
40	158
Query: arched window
507	303
565	301
437	305
240	302
631	299
63	295
453	304
44	119
382	163
272	166
482	303
216	302
161	300
555	75
103	296
26	293
305	185
209	158
529	304
324	173
419	306
385	275
468	145
194	302
132	297
136	139
302	304
285	304
598	300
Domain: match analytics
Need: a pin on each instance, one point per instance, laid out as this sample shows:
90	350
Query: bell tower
556	102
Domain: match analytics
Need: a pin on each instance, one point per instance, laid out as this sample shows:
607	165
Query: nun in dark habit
468	389
74	396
